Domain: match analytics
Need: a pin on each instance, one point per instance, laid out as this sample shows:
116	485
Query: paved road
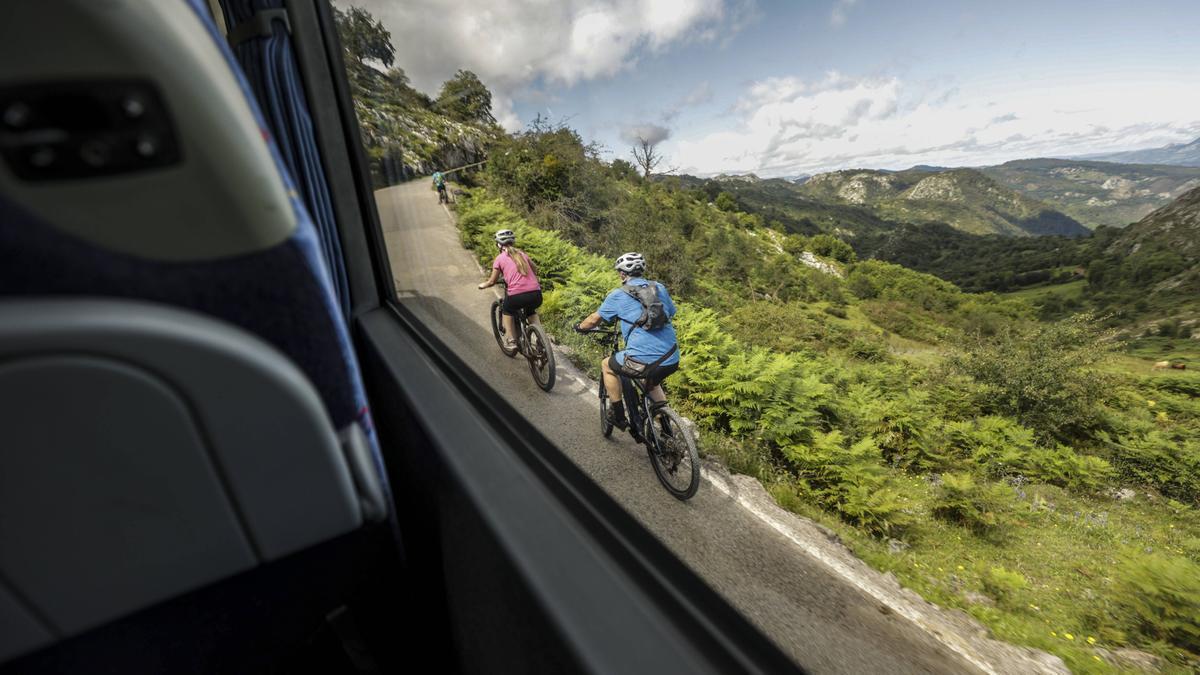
826	624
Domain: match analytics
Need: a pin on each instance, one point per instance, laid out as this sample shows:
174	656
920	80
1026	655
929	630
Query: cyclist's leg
506	318
660	374
612	382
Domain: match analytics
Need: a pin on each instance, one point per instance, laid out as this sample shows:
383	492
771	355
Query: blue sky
783	88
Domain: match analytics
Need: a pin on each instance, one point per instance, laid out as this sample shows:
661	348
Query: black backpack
654	315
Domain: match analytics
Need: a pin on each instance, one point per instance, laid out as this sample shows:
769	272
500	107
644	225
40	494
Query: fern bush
981	507
1170	463
999	447
1160	596
848	479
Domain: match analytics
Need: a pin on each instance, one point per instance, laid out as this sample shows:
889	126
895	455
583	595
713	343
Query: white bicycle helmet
506	238
631	263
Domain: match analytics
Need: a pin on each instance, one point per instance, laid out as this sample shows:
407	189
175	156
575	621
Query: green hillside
1096	193
406	133
779	203
1016	469
965	199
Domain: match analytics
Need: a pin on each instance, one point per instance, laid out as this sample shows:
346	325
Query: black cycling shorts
529	302
653	376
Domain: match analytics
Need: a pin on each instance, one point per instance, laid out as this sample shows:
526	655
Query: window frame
569	557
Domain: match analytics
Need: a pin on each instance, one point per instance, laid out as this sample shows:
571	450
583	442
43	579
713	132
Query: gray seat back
147	451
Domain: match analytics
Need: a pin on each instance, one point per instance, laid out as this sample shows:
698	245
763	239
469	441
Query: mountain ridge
1176	154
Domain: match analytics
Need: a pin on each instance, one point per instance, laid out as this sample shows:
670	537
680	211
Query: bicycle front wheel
606	427
673	454
498	330
541	358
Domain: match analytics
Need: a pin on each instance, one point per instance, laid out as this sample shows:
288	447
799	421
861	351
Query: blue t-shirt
644	345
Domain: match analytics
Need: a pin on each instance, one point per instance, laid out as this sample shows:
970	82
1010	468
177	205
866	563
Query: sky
785	88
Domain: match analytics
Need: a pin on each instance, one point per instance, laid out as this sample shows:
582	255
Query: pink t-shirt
512	276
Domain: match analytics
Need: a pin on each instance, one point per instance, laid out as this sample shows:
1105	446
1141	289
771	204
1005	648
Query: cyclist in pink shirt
520	276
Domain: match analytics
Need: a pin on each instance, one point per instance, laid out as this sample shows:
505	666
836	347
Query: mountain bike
443	194
530	341
671	447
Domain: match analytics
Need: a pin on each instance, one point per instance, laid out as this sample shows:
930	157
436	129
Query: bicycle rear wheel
673	454
541	358
606	427
498	330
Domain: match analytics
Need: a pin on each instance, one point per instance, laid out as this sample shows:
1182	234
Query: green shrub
834	310
849	480
829	246
866	349
1000	447
1005	586
1169	463
981	507
1162	597
1177	385
1044	375
896	421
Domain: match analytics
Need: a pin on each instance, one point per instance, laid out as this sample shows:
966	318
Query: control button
17	115
133	107
146	146
94	153
42	157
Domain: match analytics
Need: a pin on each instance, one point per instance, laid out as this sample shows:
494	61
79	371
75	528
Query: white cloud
837	16
786	126
515	44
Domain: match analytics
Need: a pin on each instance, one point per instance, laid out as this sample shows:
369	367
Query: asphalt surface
826	624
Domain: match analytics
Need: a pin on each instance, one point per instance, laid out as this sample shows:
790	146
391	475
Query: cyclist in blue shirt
649	354
439	182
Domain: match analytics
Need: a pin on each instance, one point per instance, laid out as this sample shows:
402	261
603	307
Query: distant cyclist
439	182
520	276
651	351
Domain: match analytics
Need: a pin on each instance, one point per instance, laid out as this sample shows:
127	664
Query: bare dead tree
646	155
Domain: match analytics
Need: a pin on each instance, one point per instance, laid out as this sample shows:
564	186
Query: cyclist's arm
495	276
591	321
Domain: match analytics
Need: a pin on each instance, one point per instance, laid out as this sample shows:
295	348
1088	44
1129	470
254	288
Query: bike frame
633	390
520	322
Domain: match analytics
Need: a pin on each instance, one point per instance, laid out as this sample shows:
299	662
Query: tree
363	36
623	170
397	77
466	98
646	154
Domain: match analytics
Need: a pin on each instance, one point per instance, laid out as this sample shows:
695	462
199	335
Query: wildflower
1091	640
1034	607
1053	634
961	568
1095	657
1150	403
1068	636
